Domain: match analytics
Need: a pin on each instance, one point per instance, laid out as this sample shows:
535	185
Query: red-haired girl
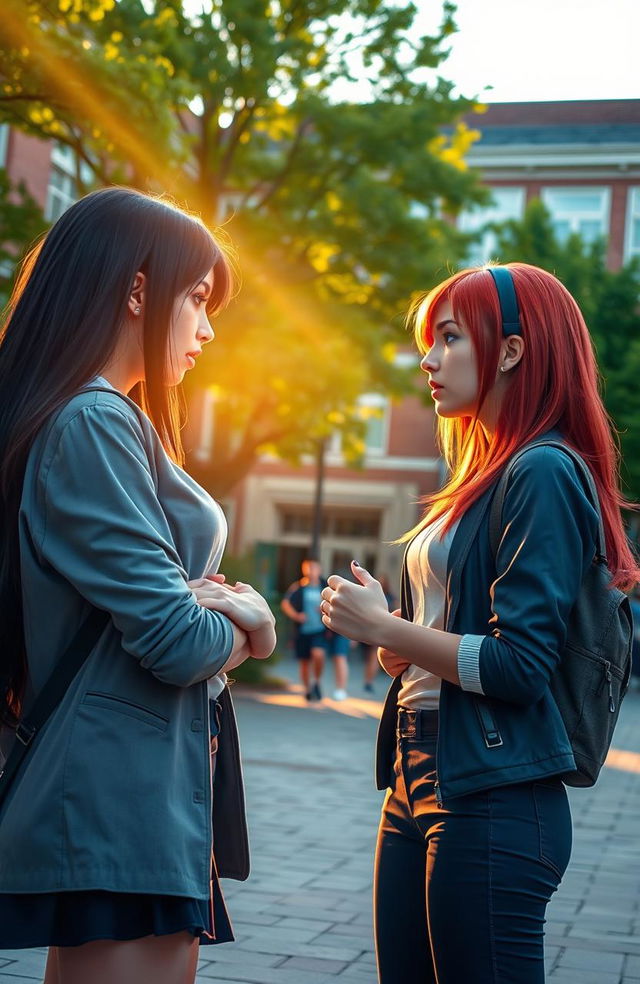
475	833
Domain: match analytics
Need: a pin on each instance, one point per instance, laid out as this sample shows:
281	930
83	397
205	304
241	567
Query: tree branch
277	183
24	97
247	112
340	174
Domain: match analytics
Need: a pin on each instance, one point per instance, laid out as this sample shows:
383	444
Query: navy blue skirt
73	918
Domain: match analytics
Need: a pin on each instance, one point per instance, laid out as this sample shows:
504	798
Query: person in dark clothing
475	833
312	640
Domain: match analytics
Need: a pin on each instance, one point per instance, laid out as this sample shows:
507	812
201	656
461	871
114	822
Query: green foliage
253	671
21	222
334	196
258	673
610	303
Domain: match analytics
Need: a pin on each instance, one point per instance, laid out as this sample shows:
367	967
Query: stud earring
137	310
503	368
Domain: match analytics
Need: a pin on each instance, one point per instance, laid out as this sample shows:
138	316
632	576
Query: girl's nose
429	363
205	330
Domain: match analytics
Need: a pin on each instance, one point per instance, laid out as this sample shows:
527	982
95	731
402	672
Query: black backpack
595	666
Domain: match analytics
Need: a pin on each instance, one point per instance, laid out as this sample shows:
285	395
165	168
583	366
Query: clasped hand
244	606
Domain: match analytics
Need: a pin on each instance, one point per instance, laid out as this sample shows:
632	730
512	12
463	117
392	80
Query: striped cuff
469	663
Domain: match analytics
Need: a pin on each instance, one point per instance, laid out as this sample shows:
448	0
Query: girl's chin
175	378
447	412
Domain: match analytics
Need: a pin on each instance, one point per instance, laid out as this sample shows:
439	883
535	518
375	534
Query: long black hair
63	323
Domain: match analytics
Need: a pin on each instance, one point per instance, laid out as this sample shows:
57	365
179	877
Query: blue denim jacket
501	725
116	794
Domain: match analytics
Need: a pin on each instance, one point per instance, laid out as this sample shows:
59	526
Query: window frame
632	212
485	249
4	143
547	192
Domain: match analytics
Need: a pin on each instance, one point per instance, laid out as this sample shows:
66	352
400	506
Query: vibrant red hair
555	385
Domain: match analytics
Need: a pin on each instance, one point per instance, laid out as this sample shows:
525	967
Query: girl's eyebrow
447	321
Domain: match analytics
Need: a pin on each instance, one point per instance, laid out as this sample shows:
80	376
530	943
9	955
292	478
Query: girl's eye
449	337
199	299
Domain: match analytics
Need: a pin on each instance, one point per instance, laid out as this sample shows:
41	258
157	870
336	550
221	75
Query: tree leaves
339	205
609	300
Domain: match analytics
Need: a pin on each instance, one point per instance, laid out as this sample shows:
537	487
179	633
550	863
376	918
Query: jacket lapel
461	544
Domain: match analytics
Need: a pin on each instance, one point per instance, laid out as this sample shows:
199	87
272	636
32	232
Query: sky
542	49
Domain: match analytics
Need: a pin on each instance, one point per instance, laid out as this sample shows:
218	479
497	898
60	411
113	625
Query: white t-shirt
427	559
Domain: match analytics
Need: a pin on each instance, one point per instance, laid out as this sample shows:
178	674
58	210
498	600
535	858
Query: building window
508	203
584	211
63	187
4	143
373	408
206	419
335	522
61	193
633	224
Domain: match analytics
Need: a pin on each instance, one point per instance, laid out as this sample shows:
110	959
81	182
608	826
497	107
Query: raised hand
355	610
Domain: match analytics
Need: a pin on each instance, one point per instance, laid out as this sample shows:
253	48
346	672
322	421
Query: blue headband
508	301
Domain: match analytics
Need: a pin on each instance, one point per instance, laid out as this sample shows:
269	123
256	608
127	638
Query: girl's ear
512	350
136	297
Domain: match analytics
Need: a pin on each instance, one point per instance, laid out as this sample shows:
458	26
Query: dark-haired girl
106	840
475	832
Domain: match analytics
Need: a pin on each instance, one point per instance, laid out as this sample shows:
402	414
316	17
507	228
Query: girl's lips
191	361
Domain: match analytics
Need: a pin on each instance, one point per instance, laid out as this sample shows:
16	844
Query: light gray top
117	791
427	559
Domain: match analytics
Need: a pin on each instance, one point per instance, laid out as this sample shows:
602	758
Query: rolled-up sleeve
106	533
549	533
469	663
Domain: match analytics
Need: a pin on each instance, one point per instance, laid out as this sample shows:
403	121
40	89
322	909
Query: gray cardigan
117	791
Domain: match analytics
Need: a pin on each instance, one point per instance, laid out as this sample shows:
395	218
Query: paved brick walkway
304	916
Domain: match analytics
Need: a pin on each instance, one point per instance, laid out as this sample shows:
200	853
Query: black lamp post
321	445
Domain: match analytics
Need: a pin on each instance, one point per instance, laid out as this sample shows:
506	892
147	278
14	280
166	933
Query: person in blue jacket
129	805
475	832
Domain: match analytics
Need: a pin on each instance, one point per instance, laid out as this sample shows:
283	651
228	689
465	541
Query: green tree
609	300
336	201
21	222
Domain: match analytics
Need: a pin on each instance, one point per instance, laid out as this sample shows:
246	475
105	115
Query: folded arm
106	533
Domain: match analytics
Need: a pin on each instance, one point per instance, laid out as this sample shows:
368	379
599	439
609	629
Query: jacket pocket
554	824
122	706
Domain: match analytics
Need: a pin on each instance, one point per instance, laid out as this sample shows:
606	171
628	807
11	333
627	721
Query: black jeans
461	890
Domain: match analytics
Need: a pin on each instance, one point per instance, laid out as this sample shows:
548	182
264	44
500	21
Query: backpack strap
52	692
63	673
495	516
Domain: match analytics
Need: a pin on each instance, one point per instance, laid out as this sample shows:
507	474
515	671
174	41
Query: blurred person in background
301	603
312	642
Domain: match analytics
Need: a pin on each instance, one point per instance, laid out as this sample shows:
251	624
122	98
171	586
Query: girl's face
190	330
451	365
